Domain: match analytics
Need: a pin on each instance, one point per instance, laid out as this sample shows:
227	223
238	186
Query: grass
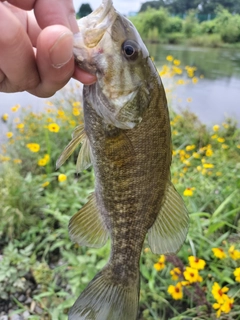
42	272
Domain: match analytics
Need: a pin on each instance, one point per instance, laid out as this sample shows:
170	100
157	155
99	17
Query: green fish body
127	138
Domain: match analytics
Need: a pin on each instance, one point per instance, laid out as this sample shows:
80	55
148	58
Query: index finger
50	13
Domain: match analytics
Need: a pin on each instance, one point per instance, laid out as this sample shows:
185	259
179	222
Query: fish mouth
91	30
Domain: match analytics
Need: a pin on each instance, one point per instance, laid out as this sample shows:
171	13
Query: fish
126	137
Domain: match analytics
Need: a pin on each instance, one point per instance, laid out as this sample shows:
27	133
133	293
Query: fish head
109	46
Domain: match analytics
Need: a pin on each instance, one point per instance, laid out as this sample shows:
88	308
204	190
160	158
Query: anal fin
170	228
87	227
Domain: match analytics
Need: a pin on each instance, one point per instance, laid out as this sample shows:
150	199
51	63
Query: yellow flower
227	305
61	113
196	155
218	174
209	152
236	273
34	147
226	125
208	165
199	168
192	275
15	108
76	104
238	146
195	80
189	100
20	125
219	293
176	291
214	136
191	147
160	264
5	117
176	62
72	123
175	273
216	127
225	146
45	184
53	127
42	162
17	161
76	112
234	254
62	177
221	140
169	58
188	192
9	135
180	82
219	253
49	103
196	263
47	157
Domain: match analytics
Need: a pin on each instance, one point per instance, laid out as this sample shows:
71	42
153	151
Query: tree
84	10
152	4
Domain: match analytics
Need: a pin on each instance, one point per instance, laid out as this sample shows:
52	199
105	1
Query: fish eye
130	49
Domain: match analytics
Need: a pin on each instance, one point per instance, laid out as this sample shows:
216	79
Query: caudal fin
105	300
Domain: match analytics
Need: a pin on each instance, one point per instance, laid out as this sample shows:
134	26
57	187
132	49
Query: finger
28	21
83	76
17	60
50	12
54	59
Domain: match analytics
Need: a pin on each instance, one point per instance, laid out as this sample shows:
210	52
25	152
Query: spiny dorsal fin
170	228
87	227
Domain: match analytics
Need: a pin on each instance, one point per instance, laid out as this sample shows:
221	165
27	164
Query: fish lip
94	26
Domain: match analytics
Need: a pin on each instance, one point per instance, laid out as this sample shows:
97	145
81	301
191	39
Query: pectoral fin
84	156
87	227
169	230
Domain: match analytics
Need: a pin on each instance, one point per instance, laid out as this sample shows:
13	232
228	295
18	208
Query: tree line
183	6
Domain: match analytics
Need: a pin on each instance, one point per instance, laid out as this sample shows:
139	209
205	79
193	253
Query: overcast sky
123	6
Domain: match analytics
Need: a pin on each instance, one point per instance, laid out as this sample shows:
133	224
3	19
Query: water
217	95
213	98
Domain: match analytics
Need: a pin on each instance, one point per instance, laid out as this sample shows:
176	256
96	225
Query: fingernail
62	50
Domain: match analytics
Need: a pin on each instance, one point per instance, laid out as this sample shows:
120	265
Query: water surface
215	96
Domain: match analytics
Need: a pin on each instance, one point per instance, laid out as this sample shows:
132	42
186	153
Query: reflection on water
217	95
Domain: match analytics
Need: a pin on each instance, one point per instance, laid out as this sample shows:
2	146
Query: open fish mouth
93	26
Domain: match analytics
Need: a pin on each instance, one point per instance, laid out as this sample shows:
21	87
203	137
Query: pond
215	96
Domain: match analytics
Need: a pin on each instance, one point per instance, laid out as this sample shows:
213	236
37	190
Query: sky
123	6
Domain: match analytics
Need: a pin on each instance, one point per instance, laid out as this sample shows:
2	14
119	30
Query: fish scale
126	137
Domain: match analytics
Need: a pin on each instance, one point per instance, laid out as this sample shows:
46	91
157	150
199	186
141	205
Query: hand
36	48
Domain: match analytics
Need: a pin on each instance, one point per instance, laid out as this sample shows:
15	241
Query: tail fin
105	300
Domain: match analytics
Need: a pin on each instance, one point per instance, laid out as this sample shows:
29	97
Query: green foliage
159	26
42	272
229	26
190	26
174	24
84	10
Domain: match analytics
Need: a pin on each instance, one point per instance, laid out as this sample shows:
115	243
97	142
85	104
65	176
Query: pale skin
36	46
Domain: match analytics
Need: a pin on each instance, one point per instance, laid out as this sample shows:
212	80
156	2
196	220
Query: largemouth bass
127	138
